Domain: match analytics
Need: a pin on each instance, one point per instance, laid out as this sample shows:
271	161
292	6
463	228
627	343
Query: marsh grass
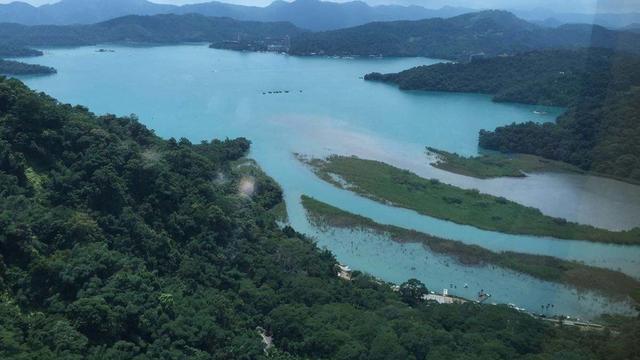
607	282
497	164
402	188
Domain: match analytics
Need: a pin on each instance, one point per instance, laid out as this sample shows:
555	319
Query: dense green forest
484	33
545	77
599	135
117	244
16	51
601	89
10	67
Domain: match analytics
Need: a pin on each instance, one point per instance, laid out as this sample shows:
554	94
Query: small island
496	164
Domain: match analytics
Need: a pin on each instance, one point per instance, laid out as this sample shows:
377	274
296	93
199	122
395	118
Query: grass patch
607	282
497	165
36	180
397	187
280	212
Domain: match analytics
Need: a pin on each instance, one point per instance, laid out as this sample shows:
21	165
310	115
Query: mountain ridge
485	33
309	14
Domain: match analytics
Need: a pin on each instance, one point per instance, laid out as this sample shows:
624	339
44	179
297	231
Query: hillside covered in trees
17	51
145	29
117	244
485	33
10	67
600	87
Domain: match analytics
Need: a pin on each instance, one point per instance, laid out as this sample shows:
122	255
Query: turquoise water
198	93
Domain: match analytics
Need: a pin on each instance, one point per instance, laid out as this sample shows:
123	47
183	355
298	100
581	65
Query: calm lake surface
195	92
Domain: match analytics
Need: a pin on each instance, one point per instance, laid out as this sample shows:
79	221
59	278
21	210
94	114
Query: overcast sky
583	6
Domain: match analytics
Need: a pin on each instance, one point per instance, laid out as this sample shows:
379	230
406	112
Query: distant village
271	44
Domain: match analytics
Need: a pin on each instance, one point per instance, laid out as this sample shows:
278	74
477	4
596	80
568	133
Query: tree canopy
116	244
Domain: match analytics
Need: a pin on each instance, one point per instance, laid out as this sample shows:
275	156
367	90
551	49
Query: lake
324	107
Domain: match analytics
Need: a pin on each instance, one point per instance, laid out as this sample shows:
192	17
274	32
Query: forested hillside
116	244
10	67
484	33
601	89
146	29
307	14
16	51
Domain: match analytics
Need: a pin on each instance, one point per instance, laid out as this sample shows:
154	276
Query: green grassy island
388	184
607	282
497	164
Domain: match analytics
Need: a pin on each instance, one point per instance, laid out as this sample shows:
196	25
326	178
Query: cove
322	107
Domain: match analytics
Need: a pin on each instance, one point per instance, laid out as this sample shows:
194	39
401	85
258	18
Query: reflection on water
195	92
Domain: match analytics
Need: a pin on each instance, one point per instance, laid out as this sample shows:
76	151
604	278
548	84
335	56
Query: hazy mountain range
307	14
552	18
163	28
484	33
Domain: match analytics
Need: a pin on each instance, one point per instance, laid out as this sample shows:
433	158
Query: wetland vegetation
572	273
493	165
402	188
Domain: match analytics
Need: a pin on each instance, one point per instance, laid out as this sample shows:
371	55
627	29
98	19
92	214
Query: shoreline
610	283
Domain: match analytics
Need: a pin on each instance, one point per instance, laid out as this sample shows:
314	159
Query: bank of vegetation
607	282
157	29
10	67
496	164
7	51
397	187
599	87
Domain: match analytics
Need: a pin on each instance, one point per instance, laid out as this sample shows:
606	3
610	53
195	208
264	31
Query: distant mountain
484	33
167	28
308	14
321	15
17	51
68	12
635	27
610	20
460	38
